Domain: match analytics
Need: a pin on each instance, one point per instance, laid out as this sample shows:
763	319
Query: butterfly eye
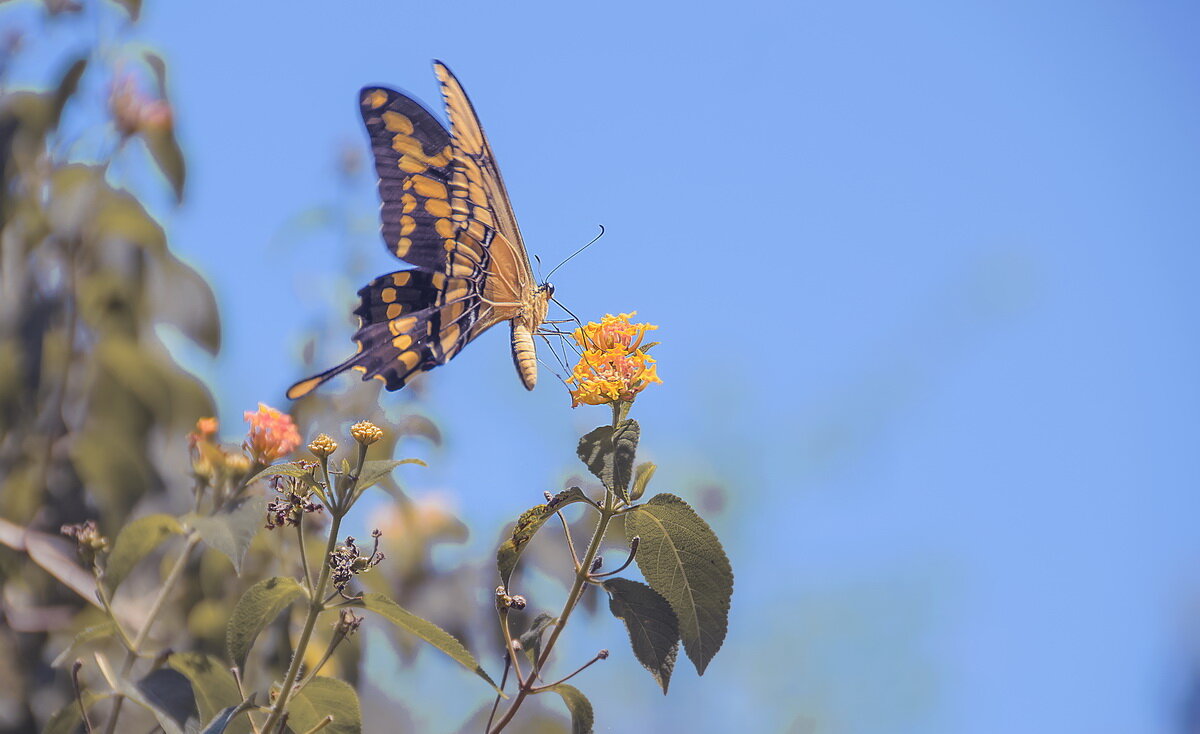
549	290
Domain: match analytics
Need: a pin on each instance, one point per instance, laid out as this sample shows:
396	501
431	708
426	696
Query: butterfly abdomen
524	354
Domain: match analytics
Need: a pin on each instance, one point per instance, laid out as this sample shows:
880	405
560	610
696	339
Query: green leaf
608	453
95	632
122	218
135	541
147	699
164	148
682	559
582	718
231	530
325	697
653	627
66	89
375	471
184	299
67	719
258	606
169	693
214	686
224	719
527	526
531	639
641	477
426	630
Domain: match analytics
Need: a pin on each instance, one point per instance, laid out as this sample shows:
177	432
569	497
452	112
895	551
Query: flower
614	365
366	432
272	434
322	446
206	430
134	112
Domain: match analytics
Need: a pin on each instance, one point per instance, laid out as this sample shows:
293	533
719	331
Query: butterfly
446	212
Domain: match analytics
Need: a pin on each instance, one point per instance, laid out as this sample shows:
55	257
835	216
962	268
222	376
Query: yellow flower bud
366	432
322	446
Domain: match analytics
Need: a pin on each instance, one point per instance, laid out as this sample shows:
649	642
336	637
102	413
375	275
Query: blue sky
926	279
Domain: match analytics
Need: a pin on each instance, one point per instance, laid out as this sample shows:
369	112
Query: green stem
316	605
607	512
151	616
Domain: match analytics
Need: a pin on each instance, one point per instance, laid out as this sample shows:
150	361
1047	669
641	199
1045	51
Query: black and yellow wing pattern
446	212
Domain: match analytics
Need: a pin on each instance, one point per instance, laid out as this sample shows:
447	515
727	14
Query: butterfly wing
445	210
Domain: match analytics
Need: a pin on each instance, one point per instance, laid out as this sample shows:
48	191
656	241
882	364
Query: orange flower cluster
614	365
272	434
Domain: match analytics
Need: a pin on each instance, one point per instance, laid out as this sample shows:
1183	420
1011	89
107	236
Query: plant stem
315	606
131	654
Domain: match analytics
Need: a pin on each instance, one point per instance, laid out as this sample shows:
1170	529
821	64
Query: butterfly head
547	290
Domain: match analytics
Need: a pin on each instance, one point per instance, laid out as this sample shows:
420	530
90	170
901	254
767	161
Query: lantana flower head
614	365
272	434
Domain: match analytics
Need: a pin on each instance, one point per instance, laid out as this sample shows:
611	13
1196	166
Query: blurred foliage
92	406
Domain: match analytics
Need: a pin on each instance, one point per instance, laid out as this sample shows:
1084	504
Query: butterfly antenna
538	260
573	254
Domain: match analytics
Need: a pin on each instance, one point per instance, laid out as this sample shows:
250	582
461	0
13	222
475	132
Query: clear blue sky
926	280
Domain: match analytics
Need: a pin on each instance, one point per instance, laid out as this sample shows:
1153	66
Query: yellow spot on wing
438	207
388	295
396	122
407	225
429	188
375	99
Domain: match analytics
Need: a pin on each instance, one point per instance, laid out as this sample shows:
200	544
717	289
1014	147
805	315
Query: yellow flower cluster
322	446
614	365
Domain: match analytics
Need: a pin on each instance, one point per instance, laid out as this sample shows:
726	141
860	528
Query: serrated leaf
67	719
95	632
424	629
213	685
608	453
258	606
135	541
652	625
641	477
231	530
375	471
527	526
169	693
682	559
582	717
325	697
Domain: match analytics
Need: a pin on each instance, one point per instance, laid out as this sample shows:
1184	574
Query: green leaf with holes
527	526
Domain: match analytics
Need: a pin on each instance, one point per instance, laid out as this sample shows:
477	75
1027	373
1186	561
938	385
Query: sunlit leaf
231	530
135	541
325	697
653	627
258	606
424	629
96	632
608	453
214	687
641	478
226	719
67	719
682	559
134	693
582	718
527	526
375	471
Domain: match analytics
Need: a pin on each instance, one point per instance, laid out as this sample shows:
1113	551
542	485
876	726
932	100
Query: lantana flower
272	434
614	365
